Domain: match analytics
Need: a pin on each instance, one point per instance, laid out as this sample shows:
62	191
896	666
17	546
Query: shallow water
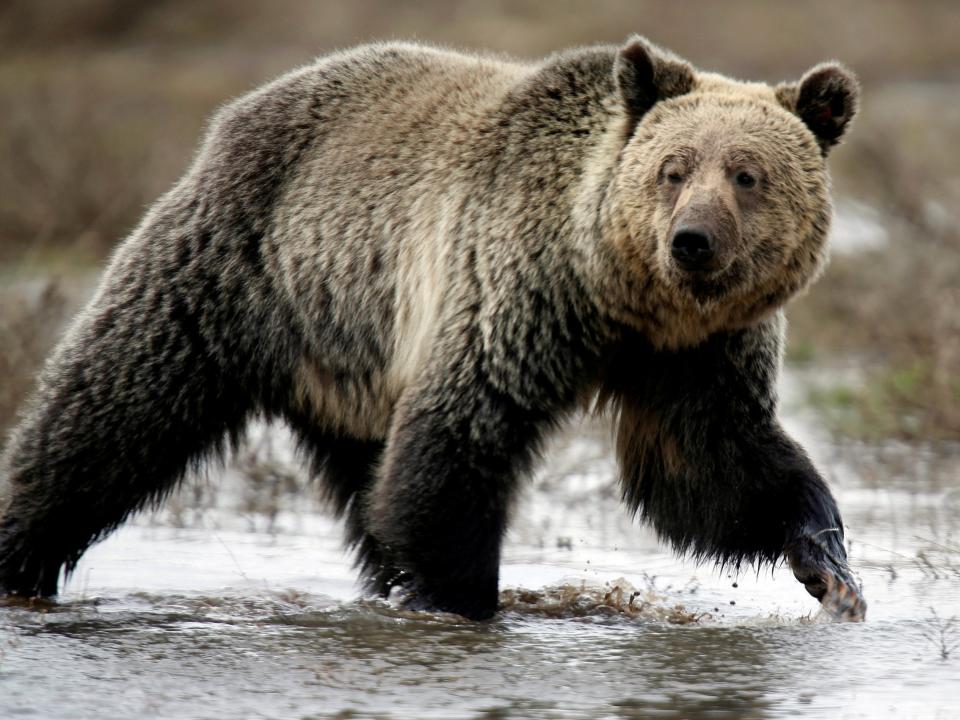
241	603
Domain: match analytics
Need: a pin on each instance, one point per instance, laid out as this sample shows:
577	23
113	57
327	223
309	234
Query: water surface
236	600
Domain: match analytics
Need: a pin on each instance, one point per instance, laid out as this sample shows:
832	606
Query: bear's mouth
707	286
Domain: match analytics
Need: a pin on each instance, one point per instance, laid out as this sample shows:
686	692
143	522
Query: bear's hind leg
131	398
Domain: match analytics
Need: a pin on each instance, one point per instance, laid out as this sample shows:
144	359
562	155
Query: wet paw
471	607
843	599
824	573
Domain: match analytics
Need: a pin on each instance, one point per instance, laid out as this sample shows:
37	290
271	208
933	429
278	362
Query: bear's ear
646	74
826	99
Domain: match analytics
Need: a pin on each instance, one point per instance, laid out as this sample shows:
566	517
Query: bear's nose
692	248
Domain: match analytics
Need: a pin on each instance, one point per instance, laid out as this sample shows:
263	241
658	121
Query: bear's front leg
440	505
705	461
787	486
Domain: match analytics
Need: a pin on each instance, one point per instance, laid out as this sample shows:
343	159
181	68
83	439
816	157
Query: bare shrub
70	176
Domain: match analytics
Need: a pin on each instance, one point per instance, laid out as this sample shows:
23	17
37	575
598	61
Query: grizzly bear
422	261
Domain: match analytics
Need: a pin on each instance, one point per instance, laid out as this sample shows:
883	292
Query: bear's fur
422	261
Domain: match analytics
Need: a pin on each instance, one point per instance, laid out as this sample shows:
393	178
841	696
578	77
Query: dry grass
942	634
895	310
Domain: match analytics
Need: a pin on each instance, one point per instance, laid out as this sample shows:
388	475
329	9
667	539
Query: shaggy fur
422	260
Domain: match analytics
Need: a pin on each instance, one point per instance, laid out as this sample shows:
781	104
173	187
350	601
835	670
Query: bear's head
721	193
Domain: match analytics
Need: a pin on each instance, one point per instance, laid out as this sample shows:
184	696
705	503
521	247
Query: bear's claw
827	578
843	599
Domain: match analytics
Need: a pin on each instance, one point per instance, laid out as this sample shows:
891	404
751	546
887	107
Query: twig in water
940	634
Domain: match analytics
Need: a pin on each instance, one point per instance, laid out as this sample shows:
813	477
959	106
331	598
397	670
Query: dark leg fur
156	375
121	413
706	462
187	337
441	504
347	469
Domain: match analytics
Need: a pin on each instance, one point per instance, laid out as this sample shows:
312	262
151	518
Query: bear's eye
745	179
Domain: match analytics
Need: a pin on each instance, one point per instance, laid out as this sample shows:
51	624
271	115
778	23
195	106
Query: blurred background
103	102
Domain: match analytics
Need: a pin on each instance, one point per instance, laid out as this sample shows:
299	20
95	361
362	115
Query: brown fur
777	244
429	258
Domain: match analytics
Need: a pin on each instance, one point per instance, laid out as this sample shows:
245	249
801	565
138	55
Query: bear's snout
693	248
704	231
